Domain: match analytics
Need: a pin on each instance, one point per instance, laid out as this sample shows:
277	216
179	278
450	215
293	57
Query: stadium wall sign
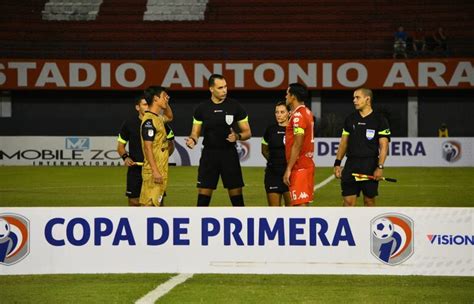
100	151
243	75
382	240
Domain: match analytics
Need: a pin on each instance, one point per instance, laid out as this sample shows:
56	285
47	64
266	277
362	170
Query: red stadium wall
234	29
245	30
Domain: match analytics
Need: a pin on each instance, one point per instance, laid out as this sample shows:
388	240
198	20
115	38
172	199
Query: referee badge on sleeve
369	133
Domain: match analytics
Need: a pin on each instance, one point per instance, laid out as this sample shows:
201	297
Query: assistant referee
222	121
364	139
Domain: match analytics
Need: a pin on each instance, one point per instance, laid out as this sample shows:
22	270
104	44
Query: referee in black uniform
222	121
364	139
133	159
273	149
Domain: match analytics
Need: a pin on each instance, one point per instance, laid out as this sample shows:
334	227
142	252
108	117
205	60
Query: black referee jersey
274	137
215	120
364	133
130	132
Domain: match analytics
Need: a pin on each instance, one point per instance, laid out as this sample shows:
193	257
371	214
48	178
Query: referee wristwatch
380	166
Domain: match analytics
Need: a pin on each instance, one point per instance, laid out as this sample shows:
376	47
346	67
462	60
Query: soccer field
105	186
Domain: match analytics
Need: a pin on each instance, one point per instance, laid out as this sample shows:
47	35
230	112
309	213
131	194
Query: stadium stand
224	29
179	10
71	11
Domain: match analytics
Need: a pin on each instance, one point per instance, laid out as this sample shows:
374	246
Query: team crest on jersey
370	133
229	119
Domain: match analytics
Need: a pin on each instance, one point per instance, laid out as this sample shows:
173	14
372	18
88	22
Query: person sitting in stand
400	43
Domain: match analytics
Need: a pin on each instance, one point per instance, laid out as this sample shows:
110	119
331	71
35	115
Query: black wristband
195	141
124	156
239	136
337	163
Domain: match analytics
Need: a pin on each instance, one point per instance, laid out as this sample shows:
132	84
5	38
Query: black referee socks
237	200
203	200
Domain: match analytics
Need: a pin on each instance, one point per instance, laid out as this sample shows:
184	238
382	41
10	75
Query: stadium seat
179	10
223	29
85	10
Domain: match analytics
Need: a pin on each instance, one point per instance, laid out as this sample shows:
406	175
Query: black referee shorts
274	181
223	162
363	165
134	181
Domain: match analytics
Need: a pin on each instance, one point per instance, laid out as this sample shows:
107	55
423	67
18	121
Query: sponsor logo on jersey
14	238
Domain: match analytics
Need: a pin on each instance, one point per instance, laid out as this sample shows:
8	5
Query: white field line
176	185
186	186
324	182
164	288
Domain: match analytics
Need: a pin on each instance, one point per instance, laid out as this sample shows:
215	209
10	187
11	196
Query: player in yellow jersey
155	146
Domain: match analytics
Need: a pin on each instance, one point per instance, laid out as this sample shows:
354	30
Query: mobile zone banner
33	74
389	241
101	151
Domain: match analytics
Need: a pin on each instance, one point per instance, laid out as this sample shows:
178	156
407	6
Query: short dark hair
212	79
283	103
299	91
366	92
153	91
139	98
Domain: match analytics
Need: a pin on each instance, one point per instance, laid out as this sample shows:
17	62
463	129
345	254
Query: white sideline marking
164	288
175	185
324	182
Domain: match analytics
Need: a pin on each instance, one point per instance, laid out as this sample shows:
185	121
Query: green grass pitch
105	186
